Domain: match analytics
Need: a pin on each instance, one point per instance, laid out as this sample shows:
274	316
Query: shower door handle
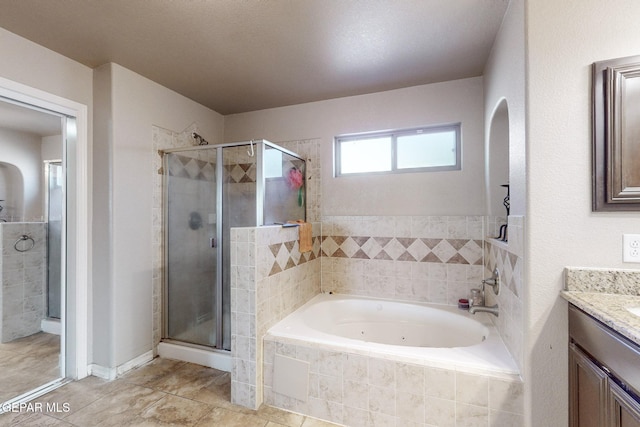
213	242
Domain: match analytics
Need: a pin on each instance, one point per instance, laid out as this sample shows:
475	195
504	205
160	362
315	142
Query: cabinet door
623	409
587	391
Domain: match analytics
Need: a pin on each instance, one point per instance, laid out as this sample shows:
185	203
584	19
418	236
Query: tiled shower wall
23	279
270	278
435	259
508	259
166	139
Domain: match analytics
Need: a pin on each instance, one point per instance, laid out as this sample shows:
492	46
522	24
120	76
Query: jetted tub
426	334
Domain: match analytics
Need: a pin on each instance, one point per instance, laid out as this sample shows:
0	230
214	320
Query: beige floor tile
79	394
152	371
314	422
174	410
216	392
117	408
31	420
186	379
279	416
227	418
27	363
163	392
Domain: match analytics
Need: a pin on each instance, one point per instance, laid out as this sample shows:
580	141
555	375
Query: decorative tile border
508	258
287	255
188	167
240	173
508	264
447	251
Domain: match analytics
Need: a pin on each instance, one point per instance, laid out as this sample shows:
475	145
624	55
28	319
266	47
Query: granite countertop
610	309
606	294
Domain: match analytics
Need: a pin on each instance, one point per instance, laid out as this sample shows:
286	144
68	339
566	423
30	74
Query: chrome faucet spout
482	308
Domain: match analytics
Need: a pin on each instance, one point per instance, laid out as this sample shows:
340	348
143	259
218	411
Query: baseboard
112	373
134	363
50	326
102	372
213	359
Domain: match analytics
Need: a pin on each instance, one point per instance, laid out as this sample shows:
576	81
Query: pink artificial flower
294	180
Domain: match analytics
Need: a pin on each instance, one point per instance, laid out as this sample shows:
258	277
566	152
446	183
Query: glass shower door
191	245
54	238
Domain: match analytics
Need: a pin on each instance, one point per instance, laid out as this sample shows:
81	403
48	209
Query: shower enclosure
207	191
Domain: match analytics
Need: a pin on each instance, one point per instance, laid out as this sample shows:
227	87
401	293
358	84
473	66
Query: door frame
78	182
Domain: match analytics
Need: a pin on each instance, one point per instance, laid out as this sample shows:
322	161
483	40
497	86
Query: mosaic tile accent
508	258
286	255
187	167
508	264
240	173
448	251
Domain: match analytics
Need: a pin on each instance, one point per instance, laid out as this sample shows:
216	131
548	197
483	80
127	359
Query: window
435	148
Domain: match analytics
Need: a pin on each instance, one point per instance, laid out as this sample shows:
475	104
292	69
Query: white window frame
394	134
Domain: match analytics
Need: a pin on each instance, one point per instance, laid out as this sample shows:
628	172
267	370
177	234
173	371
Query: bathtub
422	334
362	361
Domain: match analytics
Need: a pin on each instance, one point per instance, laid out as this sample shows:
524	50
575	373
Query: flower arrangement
295	179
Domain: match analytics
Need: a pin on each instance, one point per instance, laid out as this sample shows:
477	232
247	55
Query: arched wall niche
11	191
497	163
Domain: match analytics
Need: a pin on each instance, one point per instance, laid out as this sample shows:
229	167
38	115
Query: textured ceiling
243	55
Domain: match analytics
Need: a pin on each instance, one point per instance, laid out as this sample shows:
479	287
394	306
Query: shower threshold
211	357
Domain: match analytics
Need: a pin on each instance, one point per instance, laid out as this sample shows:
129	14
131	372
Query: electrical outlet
631	248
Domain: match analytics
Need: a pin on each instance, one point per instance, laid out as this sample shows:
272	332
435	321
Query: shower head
200	140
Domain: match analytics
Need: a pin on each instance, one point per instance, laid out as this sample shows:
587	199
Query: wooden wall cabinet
616	134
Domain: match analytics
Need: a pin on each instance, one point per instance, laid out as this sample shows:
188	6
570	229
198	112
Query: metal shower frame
257	147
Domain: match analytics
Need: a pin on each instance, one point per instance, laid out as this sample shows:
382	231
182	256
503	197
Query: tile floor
27	363
163	392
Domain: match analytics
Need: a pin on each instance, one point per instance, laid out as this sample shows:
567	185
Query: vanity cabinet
624	411
604	375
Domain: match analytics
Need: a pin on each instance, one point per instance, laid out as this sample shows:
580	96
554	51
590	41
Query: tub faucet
483	308
494	282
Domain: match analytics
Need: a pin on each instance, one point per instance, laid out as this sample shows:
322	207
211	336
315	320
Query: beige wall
563	40
505	80
22	150
437	193
33	65
132	106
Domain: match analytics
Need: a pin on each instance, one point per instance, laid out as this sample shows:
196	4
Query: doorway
24	214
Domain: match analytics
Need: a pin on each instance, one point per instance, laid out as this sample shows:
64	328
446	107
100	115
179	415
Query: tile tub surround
270	278
23	280
508	258
365	390
435	259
